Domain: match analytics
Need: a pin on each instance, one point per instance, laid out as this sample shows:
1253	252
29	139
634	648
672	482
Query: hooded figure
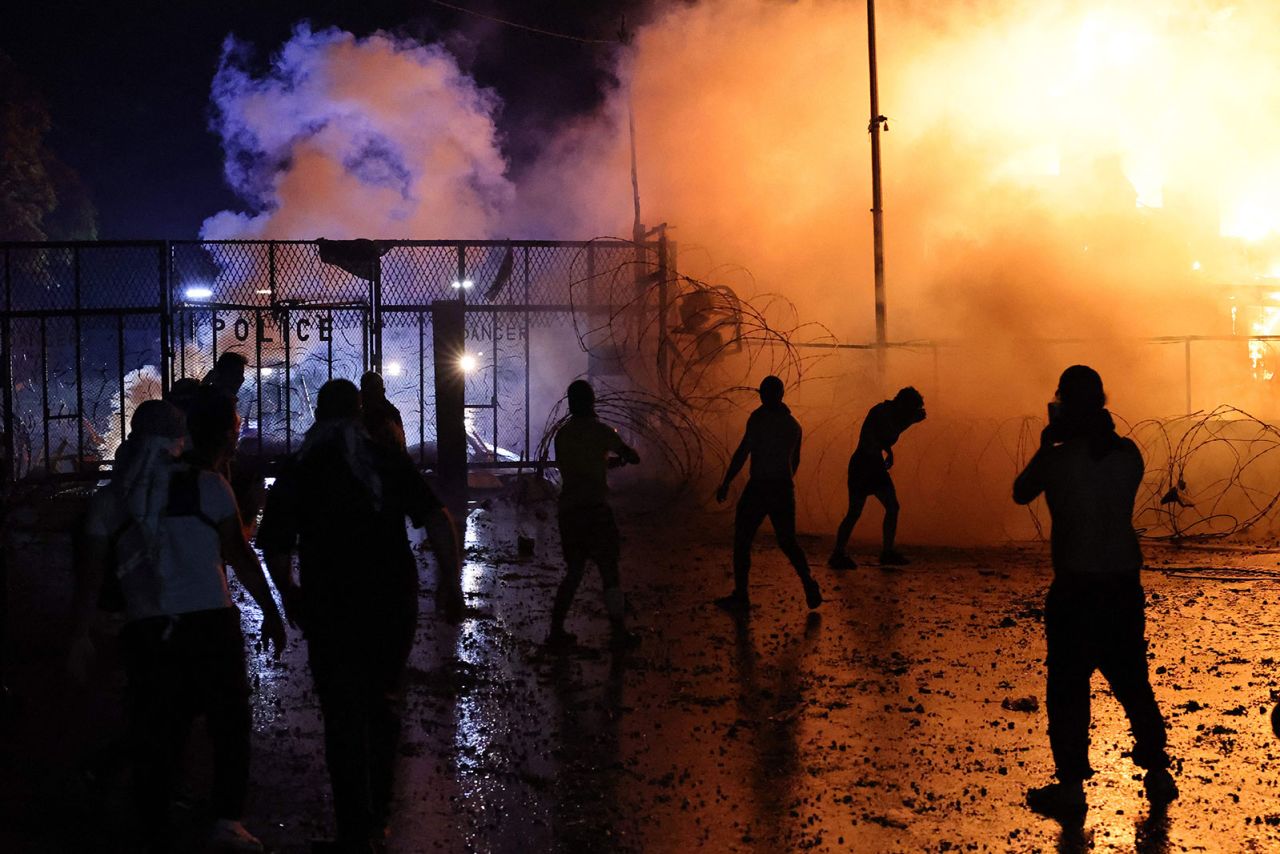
1095	613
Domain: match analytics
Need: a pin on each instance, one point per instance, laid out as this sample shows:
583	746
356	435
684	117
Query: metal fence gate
89	330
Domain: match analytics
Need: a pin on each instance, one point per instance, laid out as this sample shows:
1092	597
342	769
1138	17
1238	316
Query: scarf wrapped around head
355	446
143	466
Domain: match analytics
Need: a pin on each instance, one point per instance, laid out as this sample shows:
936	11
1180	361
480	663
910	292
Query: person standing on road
341	502
585	448
381	417
772	442
869	474
1095	614
165	531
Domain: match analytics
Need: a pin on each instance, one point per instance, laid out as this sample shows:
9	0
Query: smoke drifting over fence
1096	173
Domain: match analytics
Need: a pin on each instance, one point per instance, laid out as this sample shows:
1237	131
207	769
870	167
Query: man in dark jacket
381	417
342	504
772	443
869	474
1094	616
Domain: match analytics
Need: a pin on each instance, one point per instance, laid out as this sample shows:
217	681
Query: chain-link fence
89	330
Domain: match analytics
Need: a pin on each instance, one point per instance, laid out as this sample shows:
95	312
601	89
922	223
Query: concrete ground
905	714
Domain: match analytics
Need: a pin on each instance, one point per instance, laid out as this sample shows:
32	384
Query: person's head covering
372	386
771	391
582	398
338	424
337	399
143	465
1080	389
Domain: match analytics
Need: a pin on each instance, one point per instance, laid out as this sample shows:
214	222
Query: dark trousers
179	668
775	499
1098	623
586	533
358	666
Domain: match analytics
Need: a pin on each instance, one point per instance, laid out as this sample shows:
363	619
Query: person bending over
869	474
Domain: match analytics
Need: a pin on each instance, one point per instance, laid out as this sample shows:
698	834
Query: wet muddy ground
905	714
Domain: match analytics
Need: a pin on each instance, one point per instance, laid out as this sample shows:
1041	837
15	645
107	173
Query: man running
772	442
869	474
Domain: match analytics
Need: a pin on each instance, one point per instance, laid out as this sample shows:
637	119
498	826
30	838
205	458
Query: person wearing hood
166	531
1095	613
772	443
869	474
341	502
586	448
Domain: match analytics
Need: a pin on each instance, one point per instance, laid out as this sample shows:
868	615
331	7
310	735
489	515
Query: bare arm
446	548
795	454
236	552
735	465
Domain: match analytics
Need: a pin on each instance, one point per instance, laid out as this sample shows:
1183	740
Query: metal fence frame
46	288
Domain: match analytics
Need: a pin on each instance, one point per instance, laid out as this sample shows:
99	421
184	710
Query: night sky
127	83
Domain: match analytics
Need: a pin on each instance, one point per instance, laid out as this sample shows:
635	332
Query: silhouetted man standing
342	502
381	417
772	442
585	448
1094	617
869	474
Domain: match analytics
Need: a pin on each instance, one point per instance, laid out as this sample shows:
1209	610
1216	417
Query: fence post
1186	349
6	355
375	337
166	319
448	340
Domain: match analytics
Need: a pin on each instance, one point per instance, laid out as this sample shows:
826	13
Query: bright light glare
1195	265
394	369
465	284
467	363
265	372
199	292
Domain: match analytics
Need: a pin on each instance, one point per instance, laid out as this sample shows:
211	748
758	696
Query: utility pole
877	212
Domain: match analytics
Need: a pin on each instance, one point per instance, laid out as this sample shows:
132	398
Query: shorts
868	476
589	533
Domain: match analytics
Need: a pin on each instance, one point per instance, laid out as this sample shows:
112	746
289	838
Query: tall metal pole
877	213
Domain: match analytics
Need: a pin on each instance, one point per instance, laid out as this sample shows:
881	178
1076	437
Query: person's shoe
893	557
812	593
735	602
840	560
559	639
1063	801
231	835
1161	790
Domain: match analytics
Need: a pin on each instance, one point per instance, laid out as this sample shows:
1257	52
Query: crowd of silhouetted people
178	510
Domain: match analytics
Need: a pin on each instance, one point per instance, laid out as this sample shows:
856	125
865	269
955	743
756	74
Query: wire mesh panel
92	329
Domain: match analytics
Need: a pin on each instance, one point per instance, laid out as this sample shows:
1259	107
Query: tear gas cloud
1053	172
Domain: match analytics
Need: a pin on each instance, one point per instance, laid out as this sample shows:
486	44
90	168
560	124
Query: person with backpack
160	535
1095	613
341	502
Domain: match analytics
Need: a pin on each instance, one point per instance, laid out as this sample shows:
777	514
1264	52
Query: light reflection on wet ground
876	724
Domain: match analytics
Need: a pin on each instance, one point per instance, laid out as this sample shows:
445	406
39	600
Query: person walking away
869	474
1094	617
165	530
381	417
585	448
341	502
772	443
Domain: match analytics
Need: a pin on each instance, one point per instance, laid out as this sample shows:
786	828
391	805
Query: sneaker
840	560
1063	801
735	602
893	557
231	835
1161	790
812	594
560	639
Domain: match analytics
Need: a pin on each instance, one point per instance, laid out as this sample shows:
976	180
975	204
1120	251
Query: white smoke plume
351	137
